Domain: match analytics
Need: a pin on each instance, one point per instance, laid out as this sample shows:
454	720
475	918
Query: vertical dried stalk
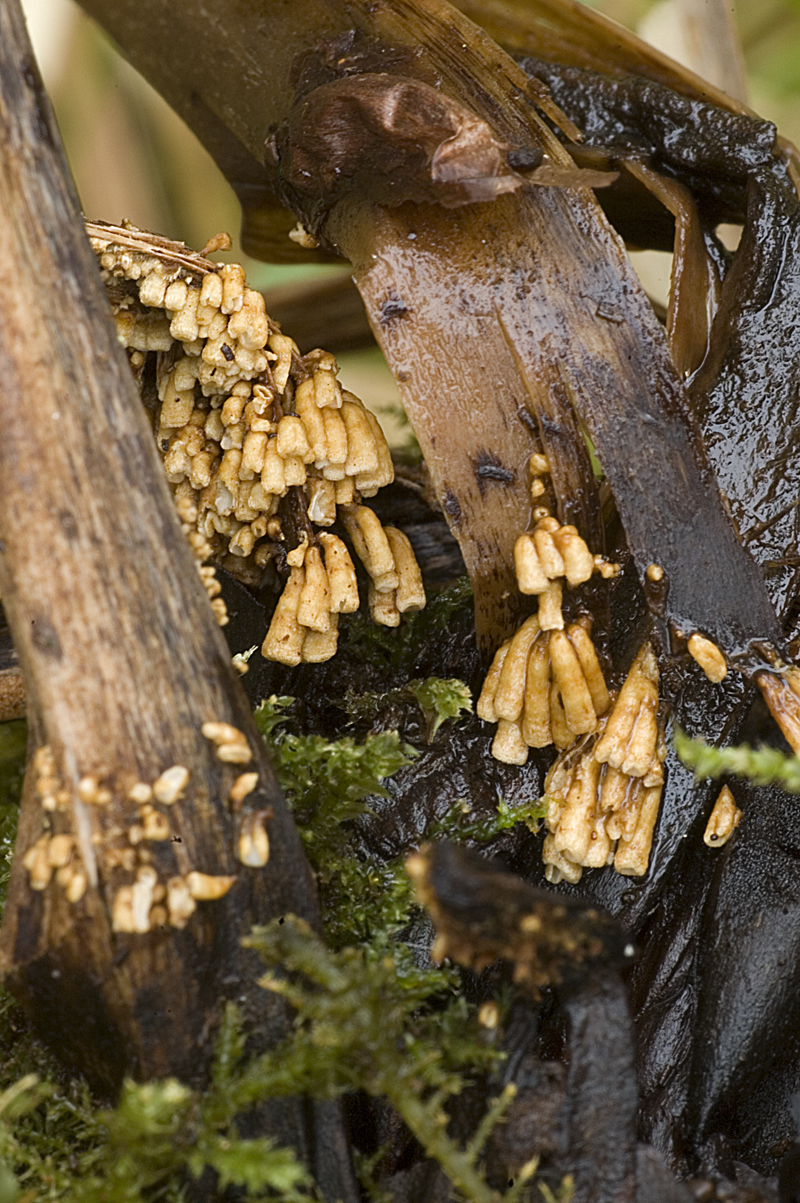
122	659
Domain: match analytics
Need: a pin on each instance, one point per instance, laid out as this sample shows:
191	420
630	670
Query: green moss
394	650
762	766
367	1017
438	699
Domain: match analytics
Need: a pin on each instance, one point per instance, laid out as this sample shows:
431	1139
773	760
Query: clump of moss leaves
368	1017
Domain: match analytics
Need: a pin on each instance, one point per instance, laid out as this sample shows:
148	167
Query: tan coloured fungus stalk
723	820
547	680
604	793
244	421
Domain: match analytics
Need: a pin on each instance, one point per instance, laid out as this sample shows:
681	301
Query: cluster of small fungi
261	446
546	686
145	903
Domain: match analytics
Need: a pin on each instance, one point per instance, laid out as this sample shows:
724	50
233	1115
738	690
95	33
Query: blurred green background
133	158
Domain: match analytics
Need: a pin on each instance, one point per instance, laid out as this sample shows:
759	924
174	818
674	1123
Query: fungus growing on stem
246	428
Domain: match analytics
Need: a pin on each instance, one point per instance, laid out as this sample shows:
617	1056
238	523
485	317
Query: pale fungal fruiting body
708	656
548	684
723	820
253	842
171	784
208	888
244	421
604	793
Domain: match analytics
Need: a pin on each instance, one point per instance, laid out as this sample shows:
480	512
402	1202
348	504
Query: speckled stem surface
121	654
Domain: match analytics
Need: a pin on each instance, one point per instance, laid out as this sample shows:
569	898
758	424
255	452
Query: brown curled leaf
403	137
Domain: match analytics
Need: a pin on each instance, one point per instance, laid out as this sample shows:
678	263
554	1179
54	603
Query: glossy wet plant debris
559	949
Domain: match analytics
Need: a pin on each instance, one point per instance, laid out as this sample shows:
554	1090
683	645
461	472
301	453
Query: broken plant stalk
127	901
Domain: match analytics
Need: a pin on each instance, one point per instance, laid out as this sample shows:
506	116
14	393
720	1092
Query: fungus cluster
604	793
54	853
261	446
123	840
545	685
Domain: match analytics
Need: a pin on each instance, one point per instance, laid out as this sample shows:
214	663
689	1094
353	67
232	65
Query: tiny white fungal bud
234	753
641	686
242	786
550	616
180	904
176	294
254	449
207	888
510	694
313	420
140	793
489	1015
223	733
536	712
313	608
292	439
87	789
122	917
154	825
369	539
575	694
508	746
321	501
284	639
633	855
341	575
37	861
345	491
382	607
142	898
59	850
183	326
557	867
296	557
210	291
723	820
153	287
362	452
578	560
562	736
233	281
410	596
249	326
369	483
485	705
581	640
549	556
327	390
319	646
337	439
577	820
284	348
709	657
531	577
171	784
253	846
76	886
273	476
